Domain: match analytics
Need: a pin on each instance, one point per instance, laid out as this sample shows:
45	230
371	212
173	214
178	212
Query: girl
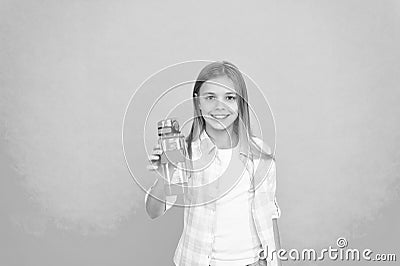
234	225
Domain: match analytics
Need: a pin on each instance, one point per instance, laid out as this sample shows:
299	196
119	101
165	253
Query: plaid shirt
196	242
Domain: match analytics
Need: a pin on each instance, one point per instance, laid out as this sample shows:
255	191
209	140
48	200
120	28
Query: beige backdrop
330	71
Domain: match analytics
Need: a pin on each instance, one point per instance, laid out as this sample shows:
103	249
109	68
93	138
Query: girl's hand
154	158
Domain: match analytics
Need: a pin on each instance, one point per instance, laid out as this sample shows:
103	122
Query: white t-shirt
235	238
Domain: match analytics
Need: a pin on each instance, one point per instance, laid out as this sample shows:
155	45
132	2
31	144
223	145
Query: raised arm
156	202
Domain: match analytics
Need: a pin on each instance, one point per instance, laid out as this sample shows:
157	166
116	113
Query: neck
223	139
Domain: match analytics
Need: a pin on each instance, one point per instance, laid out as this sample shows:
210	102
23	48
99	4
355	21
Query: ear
198	100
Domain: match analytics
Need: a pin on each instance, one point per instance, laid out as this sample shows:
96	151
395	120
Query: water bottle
174	161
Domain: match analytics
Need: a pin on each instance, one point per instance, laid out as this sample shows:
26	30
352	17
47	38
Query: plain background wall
330	71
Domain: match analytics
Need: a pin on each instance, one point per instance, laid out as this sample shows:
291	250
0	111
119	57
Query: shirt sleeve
271	188
269	184
169	200
267	209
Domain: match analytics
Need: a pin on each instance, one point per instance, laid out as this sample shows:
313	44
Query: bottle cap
168	126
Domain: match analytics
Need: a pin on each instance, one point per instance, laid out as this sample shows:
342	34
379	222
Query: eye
231	98
209	97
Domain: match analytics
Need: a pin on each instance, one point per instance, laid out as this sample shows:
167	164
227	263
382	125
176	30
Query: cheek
234	108
206	108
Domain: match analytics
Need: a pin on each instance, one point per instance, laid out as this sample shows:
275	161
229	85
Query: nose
219	104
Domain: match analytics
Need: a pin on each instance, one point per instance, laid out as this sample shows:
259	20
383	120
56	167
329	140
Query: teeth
219	116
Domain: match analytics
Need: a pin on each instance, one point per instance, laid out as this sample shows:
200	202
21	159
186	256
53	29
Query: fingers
154	158
152	167
157	150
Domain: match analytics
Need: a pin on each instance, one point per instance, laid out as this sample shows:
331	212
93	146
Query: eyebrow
212	93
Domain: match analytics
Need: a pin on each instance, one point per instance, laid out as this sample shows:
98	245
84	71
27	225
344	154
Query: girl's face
218	104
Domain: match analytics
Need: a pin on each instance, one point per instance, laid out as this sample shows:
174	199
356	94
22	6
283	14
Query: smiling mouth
219	116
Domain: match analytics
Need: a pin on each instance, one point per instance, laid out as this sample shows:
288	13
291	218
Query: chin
217	126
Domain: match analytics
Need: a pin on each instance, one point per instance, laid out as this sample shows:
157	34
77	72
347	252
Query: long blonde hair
243	129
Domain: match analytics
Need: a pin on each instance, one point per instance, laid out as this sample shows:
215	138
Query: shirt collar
207	145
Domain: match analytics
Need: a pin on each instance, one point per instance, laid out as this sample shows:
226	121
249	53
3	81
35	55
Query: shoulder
262	145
